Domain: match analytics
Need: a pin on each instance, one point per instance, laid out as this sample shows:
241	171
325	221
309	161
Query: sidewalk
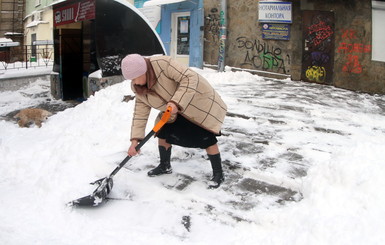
290	122
22	89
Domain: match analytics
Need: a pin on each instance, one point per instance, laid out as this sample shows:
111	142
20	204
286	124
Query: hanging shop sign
276	31
275	12
75	12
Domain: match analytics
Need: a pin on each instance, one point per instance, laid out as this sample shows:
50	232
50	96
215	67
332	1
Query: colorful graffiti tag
316	73
318	53
319	35
352	51
319	32
212	28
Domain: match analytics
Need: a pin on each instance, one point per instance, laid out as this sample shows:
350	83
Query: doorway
71	64
180	37
318	46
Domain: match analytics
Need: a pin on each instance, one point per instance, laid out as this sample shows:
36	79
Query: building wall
11	27
33	5
211	32
353	67
43	29
245	47
38	20
11	16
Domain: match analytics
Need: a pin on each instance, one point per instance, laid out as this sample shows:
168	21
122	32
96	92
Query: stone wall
353	68
245	47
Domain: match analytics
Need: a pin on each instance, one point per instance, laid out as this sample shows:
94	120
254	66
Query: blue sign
276	31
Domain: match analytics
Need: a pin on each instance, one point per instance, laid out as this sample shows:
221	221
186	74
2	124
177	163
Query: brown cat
35	115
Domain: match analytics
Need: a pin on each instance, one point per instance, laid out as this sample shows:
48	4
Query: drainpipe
222	35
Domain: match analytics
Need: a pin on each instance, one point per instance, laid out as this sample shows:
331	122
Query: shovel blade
98	196
86	201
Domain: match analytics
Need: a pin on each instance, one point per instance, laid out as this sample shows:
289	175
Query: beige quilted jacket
196	99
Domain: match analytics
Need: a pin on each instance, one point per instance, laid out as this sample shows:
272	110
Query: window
37	2
33	46
378	31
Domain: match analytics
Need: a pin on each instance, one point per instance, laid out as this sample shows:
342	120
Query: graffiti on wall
316	73
351	48
262	55
319	35
212	25
319	32
318	53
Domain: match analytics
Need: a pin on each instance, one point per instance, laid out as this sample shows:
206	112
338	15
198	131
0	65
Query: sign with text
83	10
275	12
276	31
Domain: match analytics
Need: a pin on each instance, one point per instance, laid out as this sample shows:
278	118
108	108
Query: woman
198	110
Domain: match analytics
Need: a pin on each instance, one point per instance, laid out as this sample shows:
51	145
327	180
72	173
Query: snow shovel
105	184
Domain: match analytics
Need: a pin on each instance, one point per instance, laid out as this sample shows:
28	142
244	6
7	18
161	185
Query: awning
9	44
160	2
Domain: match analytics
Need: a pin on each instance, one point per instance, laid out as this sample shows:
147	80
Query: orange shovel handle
165	117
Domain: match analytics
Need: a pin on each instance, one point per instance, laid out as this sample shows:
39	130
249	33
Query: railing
27	56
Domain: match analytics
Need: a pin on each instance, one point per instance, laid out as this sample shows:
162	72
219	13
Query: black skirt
184	133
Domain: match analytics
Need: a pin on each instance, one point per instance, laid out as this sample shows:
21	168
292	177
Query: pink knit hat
133	66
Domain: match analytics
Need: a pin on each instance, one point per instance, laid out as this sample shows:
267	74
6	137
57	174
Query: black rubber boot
216	164
164	167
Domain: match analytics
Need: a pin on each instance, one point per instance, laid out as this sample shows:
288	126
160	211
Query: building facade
11	29
331	42
38	24
179	24
328	42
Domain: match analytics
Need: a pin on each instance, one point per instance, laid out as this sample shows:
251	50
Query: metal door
180	37
318	46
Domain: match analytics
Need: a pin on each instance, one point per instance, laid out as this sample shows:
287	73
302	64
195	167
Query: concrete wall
15	83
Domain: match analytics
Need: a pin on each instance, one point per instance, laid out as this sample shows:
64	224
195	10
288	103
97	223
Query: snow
160	2
321	144
36	23
18	70
5	40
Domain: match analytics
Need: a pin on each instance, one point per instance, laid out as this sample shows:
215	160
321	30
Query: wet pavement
274	132
41	99
296	125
